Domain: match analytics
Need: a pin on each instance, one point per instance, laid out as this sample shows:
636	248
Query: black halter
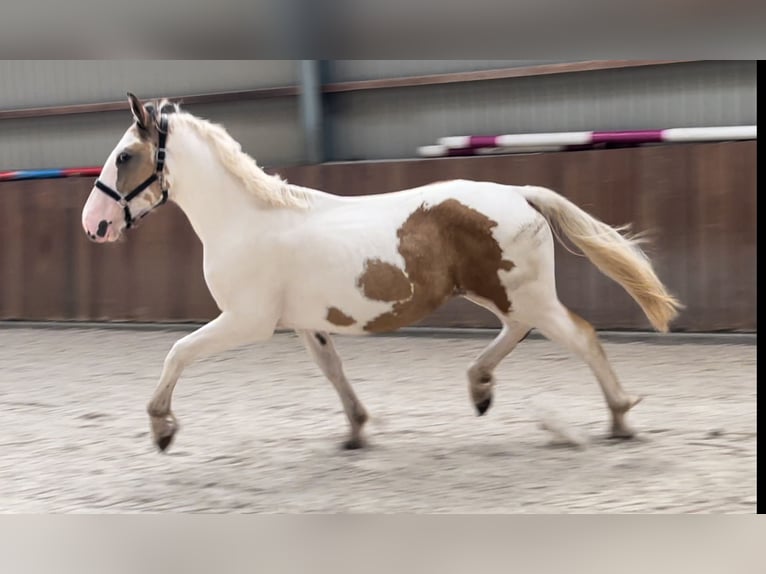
124	200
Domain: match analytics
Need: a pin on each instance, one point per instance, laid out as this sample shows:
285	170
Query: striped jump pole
54	173
597	137
439	150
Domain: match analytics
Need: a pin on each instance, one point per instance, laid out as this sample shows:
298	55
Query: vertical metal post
311	110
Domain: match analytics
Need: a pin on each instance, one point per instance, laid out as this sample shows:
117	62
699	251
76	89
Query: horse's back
501	203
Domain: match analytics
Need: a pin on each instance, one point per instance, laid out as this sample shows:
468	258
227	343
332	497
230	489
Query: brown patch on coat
137	169
383	281
339	318
447	248
142	163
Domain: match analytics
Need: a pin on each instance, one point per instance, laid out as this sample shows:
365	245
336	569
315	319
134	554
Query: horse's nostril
101	231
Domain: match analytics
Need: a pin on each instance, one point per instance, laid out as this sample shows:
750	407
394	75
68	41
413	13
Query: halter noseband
124	200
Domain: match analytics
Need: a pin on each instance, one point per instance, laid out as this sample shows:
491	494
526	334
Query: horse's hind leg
562	326
481	381
322	350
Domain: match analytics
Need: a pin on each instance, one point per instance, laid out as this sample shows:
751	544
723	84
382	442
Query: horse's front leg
225	332
322	350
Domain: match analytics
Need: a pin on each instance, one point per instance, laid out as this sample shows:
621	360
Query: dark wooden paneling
665	214
696	200
51	271
12	214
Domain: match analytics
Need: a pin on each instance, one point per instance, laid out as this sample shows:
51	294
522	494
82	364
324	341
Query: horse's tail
616	254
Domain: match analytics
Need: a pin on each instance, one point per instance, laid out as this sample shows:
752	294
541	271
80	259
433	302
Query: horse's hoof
164	429
353	444
622	432
164	442
484	405
622	435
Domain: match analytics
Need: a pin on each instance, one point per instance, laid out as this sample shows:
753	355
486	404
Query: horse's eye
123	157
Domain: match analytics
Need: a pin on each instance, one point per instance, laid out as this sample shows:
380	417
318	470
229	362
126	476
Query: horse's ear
139	112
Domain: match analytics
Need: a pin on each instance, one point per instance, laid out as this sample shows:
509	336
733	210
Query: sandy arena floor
261	428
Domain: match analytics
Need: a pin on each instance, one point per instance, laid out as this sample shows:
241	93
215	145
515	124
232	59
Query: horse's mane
271	189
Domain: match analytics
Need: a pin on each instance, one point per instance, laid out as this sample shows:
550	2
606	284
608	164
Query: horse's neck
215	202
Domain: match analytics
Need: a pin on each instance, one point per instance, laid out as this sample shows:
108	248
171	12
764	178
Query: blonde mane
271	189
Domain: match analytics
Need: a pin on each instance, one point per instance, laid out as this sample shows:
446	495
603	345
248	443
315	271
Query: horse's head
132	181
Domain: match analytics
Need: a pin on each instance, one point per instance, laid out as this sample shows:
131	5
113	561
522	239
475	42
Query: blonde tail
615	254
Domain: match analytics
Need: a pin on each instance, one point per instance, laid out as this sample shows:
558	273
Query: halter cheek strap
124	200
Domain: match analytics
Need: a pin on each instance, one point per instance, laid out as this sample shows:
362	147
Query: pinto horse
278	255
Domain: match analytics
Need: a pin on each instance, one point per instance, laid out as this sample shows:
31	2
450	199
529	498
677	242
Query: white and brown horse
281	256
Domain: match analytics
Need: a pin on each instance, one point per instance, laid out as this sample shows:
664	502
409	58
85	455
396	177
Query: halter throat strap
158	175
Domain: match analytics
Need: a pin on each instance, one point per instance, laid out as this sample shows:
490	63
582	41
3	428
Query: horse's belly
386	302
351	320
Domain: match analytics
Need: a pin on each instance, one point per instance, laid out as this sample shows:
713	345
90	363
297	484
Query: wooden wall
698	200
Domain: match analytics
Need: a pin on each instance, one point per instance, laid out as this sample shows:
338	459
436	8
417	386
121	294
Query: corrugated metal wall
391	123
268	129
31	83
